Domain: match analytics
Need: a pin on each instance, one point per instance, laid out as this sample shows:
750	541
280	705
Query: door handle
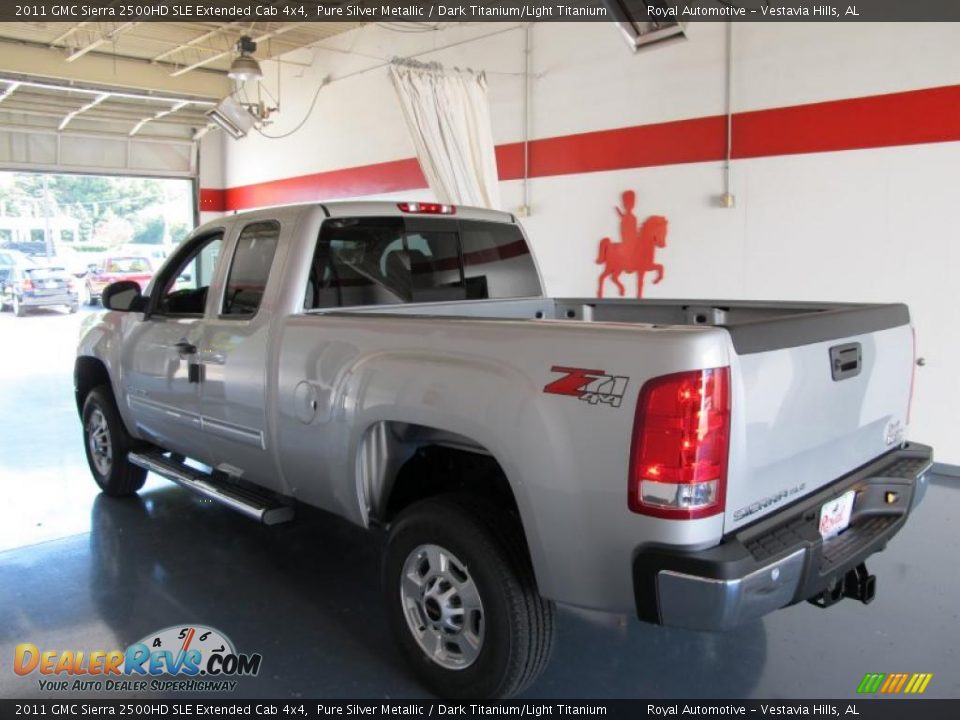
185	348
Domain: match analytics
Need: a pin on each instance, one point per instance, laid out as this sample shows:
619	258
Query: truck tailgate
806	414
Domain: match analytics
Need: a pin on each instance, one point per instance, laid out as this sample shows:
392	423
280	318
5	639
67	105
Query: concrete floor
80	571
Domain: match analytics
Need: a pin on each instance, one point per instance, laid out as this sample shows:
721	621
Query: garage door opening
63	237
76	221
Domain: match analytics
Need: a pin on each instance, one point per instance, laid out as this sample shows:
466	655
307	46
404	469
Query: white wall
870	225
211	175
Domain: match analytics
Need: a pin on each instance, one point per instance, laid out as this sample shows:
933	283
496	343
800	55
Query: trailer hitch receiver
858	584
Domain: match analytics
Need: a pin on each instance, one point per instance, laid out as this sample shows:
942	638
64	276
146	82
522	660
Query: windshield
127	265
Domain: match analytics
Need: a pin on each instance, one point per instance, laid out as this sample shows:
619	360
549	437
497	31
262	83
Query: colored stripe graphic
918	683
905	118
870	683
894	683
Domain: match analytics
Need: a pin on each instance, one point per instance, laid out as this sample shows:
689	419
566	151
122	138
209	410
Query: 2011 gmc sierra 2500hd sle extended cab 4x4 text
701	463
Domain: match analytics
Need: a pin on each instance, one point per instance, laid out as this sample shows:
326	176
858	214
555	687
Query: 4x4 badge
592	386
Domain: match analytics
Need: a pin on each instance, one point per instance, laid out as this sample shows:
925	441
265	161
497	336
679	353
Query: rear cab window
387	261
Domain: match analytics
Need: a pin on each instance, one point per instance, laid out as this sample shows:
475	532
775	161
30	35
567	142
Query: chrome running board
254	505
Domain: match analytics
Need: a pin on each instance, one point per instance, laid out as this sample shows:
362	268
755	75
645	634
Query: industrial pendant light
244	66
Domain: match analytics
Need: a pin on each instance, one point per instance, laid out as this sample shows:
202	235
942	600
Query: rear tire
107	442
462	601
18	309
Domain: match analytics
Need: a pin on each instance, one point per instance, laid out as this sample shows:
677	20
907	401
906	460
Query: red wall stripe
349	182
682	141
905	118
213	200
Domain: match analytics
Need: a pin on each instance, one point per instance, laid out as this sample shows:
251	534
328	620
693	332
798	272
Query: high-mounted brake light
427	208
678	462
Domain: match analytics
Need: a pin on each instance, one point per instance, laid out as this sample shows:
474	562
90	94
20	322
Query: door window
250	270
182	286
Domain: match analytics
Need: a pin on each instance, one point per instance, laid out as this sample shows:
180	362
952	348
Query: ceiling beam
92	104
9	90
102	114
105	37
41	62
157	116
190	43
63	36
212	58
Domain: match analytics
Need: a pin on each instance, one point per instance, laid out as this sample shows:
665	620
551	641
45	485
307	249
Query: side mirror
123	296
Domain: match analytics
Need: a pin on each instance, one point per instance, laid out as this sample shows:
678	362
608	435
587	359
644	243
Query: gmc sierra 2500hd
701	463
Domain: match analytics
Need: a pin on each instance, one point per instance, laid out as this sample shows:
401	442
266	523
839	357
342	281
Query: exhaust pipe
858	584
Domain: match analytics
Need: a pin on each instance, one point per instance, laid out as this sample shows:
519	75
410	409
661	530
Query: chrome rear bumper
782	559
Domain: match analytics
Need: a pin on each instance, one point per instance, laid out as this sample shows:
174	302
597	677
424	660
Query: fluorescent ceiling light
233	118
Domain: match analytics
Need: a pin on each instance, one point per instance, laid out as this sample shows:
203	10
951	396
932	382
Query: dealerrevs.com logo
186	658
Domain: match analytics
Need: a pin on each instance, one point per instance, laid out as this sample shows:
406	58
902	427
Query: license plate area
835	514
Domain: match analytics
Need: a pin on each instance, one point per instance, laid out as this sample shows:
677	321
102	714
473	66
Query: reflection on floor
84	572
306	596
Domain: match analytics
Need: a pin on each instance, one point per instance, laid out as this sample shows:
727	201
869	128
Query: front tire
462	600
86	296
107	442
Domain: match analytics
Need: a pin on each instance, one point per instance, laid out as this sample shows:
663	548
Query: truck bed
820	388
753	326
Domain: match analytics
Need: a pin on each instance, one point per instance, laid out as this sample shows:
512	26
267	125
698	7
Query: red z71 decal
592	386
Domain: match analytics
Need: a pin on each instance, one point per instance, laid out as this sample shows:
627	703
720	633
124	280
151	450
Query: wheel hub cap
442	606
98	439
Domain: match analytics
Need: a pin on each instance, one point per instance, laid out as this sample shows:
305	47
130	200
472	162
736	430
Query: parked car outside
32	248
74	262
24	286
11	258
113	269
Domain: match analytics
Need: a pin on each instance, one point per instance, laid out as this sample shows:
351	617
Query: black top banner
872	709
660	11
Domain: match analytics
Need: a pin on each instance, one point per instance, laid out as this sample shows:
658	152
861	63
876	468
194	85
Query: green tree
91	199
149	231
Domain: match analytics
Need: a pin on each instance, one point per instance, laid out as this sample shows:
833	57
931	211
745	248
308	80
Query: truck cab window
435	271
376	261
181	288
497	262
358	262
250	269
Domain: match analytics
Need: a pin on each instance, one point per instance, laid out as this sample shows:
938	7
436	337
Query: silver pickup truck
701	463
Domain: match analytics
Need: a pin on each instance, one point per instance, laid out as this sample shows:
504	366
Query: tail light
427	208
678	463
26	285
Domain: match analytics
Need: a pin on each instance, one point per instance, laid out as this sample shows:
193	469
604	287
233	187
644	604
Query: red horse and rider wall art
635	253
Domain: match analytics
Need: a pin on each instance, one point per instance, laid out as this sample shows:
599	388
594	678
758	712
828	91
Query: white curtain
448	114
